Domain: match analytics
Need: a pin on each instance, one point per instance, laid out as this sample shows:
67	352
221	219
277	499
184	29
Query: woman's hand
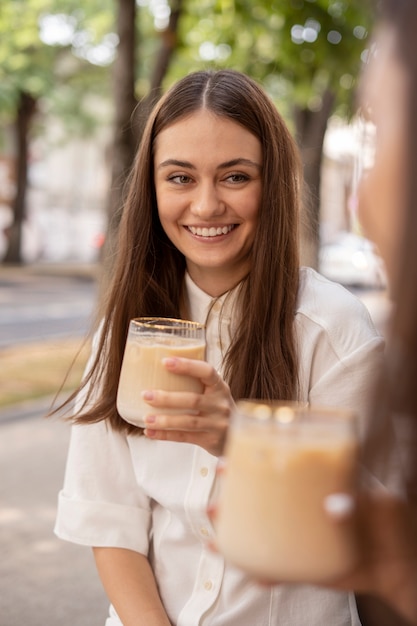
387	565
387	550
203	418
385	527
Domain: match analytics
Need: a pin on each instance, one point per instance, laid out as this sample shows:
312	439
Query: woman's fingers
215	402
212	441
186	422
219	404
191	367
198	418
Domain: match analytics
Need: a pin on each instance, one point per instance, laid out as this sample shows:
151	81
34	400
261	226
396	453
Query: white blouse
152	496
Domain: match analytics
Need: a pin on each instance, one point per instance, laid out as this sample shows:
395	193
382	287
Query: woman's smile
210	232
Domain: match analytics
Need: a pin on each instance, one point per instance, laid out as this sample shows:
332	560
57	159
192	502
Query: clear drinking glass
149	340
282	460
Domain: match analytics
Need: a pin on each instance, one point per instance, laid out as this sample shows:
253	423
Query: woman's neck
216	284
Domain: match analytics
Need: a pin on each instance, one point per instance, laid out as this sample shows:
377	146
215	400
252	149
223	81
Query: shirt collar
201	303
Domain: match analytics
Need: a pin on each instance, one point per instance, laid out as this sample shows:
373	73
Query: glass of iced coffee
149	340
282	460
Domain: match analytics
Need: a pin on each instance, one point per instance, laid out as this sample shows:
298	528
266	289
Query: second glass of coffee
283	460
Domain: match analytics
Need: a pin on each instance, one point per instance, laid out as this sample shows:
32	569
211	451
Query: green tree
307	53
45	47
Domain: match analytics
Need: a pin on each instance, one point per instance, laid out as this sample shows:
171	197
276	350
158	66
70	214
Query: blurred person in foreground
385	580
388	210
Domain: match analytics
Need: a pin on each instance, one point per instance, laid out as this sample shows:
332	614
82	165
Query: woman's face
382	191
208	189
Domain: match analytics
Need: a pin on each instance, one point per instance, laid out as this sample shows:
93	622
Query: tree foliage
307	54
297	48
50	49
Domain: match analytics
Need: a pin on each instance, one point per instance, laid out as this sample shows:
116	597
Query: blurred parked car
352	261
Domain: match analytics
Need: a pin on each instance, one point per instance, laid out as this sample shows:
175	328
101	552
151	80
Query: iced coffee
281	463
149	341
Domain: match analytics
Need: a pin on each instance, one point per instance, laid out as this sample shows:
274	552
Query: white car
353	261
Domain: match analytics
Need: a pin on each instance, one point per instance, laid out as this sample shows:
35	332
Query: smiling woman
208	201
209	233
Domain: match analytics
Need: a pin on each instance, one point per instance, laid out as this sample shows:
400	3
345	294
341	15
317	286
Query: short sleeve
101	503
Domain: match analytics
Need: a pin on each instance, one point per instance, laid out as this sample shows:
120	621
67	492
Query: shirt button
204	471
208	585
204	531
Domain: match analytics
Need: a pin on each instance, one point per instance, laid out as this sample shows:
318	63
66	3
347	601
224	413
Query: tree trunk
25	111
124	101
130	117
166	50
310	131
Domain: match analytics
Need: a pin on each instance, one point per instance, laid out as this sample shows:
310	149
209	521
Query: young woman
208	233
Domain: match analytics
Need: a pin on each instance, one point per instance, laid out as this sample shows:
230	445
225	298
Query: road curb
77	271
25	410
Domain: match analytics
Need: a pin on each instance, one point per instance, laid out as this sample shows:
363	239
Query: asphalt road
43	580
36	304
47	302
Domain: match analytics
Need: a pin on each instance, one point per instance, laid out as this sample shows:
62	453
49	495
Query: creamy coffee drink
147	344
271	521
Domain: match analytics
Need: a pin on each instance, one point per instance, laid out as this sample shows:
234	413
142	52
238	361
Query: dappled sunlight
11	515
160	10
60	29
20	515
46	546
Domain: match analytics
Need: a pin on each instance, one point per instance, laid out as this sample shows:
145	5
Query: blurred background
77	81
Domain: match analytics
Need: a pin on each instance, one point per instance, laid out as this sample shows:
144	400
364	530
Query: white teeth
211	232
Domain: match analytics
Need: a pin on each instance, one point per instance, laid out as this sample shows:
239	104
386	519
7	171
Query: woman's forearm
130	585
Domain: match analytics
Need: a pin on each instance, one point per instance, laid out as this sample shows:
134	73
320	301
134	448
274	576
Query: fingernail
147	395
149	419
339	504
149	433
169	361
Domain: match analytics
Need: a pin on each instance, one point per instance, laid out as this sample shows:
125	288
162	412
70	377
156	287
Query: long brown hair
396	397
149	271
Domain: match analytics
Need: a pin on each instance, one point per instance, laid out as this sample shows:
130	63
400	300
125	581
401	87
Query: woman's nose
207	202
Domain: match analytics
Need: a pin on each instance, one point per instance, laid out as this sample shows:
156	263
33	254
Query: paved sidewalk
43	580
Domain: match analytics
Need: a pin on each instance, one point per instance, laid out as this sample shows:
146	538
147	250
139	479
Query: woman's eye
180	179
237	178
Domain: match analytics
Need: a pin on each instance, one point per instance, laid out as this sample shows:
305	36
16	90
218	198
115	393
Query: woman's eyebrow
240	161
177	163
231	163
